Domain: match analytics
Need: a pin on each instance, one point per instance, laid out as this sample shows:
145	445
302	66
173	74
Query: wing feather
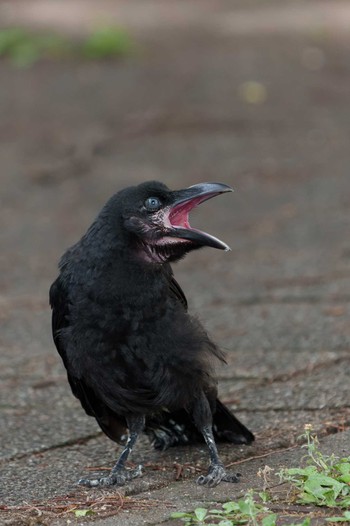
174	288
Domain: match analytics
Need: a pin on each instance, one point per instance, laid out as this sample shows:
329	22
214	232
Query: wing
174	288
60	309
59	305
110	423
177	291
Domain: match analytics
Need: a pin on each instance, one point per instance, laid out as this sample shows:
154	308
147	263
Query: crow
135	358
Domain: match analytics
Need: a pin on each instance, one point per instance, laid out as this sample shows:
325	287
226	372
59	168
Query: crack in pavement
284	377
39	451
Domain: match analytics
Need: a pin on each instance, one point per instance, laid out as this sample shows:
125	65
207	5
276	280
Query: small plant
107	42
325	481
23	48
344	518
243	511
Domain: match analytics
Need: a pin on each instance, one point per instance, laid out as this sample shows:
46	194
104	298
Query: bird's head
157	219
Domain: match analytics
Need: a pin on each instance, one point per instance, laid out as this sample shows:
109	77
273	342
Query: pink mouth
179	214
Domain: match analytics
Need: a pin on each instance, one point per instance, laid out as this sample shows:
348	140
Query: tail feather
228	428
177	428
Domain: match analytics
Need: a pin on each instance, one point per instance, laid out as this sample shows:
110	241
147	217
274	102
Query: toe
90	483
119	478
215	475
230	478
209	481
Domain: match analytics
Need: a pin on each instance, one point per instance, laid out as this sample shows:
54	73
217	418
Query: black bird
135	358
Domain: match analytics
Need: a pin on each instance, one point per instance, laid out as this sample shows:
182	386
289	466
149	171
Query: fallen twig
254	457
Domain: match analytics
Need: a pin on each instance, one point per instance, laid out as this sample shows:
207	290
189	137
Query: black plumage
134	356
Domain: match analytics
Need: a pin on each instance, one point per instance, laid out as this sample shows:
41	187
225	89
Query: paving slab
186	498
159	489
72	133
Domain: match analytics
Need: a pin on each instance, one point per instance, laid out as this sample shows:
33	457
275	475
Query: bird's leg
119	474
203	419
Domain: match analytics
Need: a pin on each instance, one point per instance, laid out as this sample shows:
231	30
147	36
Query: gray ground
72	133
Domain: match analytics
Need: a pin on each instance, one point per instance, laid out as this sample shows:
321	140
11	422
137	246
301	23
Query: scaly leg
119	474
203	419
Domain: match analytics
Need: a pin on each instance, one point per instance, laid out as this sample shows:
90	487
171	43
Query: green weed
324	481
23	48
243	511
107	42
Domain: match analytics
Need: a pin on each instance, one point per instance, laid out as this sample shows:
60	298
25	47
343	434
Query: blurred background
95	96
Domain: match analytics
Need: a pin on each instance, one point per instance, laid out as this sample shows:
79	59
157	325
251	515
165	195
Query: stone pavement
268	113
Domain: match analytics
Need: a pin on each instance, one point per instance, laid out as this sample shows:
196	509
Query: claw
118	478
215	475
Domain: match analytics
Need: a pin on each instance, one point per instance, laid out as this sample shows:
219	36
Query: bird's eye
152	204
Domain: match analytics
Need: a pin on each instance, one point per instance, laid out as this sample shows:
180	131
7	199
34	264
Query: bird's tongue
179	214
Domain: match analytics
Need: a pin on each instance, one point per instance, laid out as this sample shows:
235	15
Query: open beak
184	201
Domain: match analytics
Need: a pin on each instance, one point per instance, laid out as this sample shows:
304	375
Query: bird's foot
118	478
217	474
